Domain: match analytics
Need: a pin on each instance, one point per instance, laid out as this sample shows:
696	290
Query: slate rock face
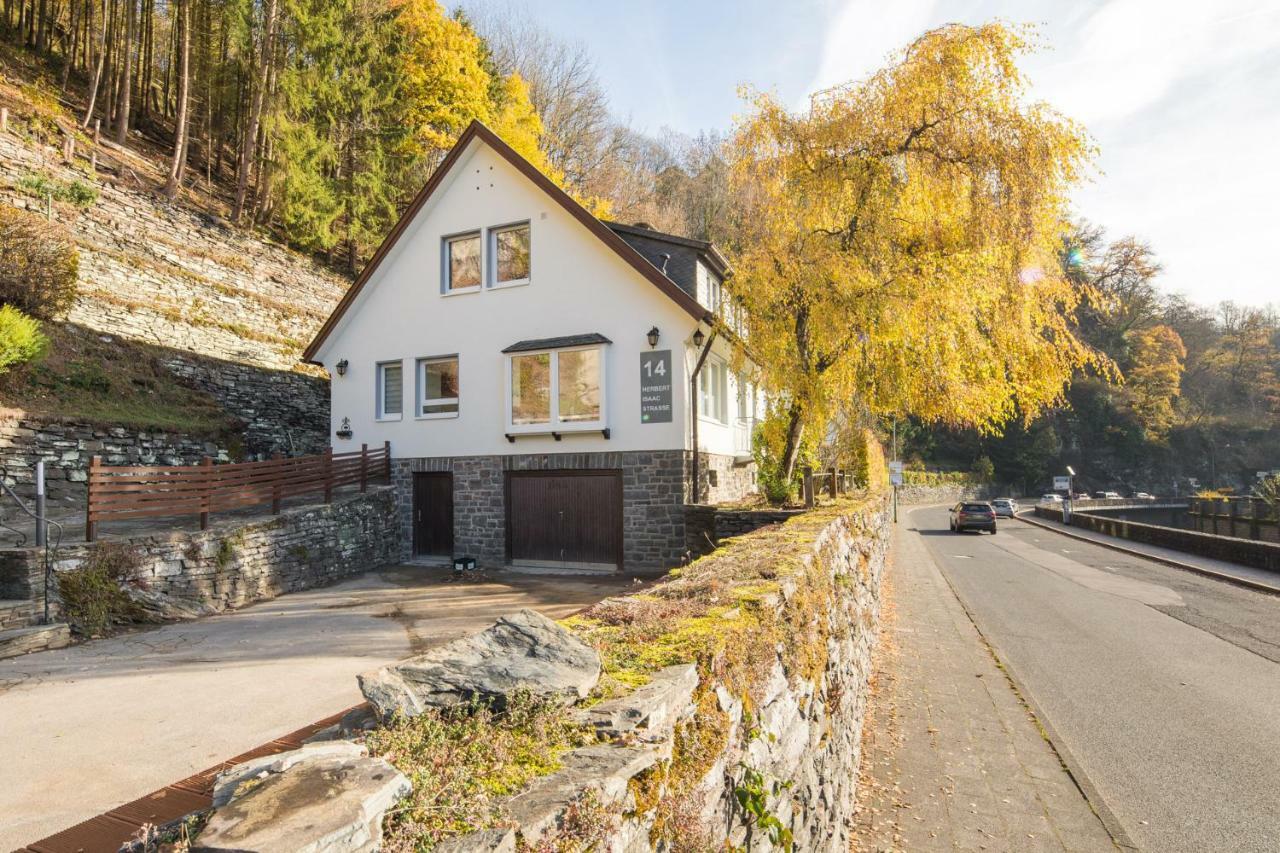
326	798
522	651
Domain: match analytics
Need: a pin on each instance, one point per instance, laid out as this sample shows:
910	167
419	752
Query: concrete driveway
88	728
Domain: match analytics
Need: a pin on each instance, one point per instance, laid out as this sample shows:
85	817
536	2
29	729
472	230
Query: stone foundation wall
653	494
725	480
681	755
66	449
706	526
234	564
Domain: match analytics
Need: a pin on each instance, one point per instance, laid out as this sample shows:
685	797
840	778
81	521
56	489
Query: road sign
1062	484
895	472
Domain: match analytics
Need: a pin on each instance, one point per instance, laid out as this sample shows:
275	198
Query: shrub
42	185
20	338
983	470
94	599
39	264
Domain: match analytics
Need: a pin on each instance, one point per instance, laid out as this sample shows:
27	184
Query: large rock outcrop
523	651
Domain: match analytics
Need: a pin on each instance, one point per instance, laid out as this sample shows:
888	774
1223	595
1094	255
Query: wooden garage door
565	517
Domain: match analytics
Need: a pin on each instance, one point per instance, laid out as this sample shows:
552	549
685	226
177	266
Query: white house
533	367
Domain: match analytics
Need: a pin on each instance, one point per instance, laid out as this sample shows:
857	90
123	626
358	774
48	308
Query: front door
433	514
559	518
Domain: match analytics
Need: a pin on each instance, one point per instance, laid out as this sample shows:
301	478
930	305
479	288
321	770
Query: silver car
1005	507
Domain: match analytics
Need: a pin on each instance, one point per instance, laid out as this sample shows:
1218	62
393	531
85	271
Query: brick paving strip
953	758
106	832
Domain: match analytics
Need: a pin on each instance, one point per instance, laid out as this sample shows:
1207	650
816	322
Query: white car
1143	496
1005	507
1051	499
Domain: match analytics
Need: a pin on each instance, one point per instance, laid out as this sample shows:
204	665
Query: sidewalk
952	758
1222	569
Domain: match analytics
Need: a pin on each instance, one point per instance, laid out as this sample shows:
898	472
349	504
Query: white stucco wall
577	285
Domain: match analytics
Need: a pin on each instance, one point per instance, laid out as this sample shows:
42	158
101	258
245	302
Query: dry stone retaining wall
234	564
920	495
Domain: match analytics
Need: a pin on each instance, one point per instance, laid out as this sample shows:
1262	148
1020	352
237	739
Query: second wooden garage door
565	518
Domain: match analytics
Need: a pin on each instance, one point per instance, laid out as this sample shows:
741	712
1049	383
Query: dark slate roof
558	343
684	252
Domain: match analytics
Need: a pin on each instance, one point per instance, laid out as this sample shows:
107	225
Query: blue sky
1183	98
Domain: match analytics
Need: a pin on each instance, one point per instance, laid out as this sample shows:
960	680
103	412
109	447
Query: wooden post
90	529
807	479
4	119
328	475
835	487
364	467
386	449
275	487
206	464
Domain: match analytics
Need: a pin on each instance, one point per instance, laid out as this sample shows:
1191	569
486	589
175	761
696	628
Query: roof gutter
693	412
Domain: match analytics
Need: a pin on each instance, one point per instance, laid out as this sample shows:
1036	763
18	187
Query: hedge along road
1161	687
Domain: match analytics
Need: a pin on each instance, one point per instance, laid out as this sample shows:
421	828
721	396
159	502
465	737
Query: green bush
939	478
39	264
20	338
42	185
93	596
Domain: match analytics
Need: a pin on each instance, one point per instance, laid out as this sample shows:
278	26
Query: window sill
713	421
388	419
557	433
436	416
463	291
524	282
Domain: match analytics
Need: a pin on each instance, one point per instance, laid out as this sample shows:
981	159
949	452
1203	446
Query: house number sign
655	387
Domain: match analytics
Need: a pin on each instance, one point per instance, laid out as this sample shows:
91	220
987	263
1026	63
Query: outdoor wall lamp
698	337
654	334
342	367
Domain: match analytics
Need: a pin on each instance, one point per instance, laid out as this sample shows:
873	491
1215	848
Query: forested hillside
1197	396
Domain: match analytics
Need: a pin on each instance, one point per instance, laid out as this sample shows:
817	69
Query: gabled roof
703	247
477	130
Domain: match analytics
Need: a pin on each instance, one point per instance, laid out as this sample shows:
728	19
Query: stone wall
653	494
237	563
920	495
780	729
1244	552
66	449
724	479
706	526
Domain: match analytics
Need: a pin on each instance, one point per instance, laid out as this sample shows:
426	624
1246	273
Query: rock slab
522	651
306	801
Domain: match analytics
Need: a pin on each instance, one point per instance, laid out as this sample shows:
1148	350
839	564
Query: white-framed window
713	390
437	387
390	391
509	255
745	400
461	263
559	390
710	291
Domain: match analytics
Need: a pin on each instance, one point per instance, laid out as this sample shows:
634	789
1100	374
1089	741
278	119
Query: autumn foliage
898	248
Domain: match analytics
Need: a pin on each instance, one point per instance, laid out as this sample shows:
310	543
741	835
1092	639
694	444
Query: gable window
390	391
713	390
438	387
710	292
556	390
462	262
509	255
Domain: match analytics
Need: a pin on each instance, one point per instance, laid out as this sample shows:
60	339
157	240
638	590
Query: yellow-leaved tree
1154	381
897	241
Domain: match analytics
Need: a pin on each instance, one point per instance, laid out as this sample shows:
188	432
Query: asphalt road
1160	687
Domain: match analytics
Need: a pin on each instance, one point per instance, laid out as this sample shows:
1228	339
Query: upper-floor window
710	292
438	387
390	391
462	262
509	254
713	390
556	390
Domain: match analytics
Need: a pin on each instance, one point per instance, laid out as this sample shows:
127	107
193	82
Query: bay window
558	390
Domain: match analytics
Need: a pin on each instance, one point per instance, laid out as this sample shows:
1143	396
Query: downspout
693	411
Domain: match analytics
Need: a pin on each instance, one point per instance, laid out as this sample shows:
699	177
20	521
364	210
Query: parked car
1051	498
1106	496
1005	507
1143	496
970	515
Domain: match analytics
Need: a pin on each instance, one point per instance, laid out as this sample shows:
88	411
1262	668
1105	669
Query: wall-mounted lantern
344	431
342	367
653	336
698	337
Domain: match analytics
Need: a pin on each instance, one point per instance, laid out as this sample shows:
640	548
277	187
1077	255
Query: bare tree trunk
126	75
791	448
176	166
249	144
102	55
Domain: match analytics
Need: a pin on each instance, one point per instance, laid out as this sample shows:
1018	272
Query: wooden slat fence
128	492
